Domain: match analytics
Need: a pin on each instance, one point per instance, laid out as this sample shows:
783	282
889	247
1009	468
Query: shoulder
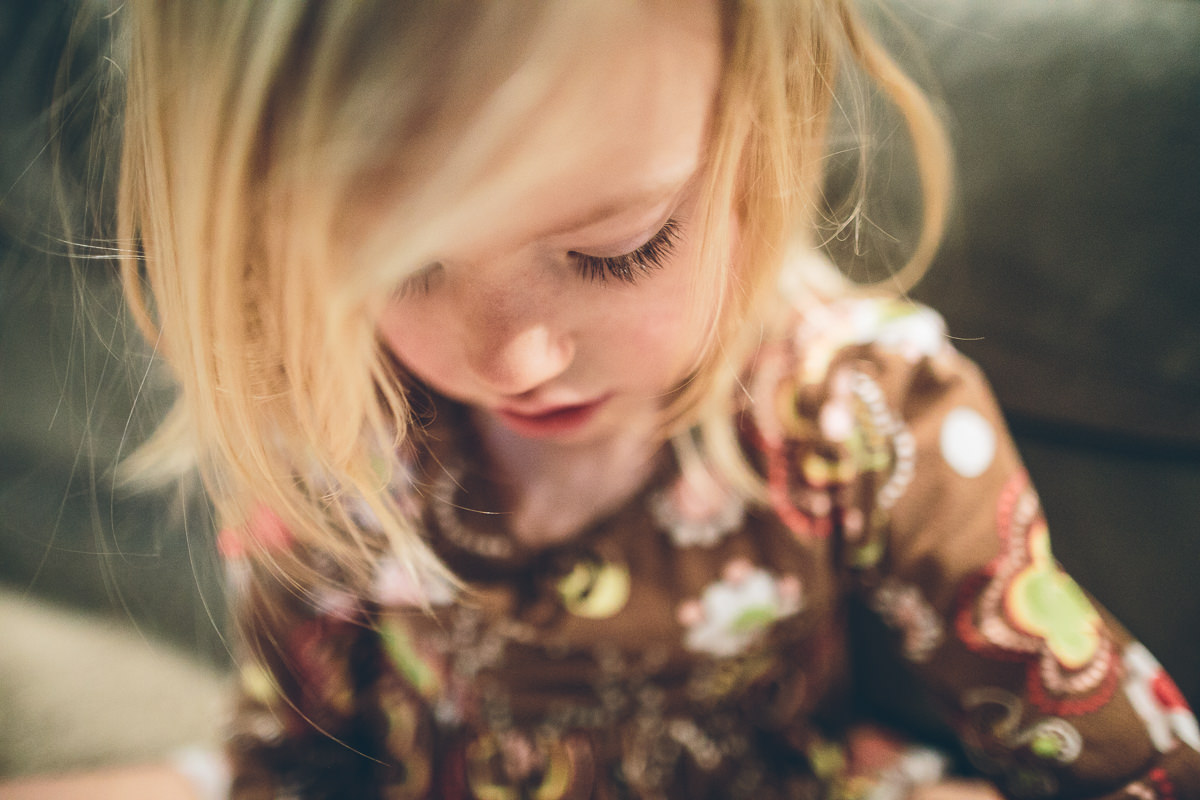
848	396
879	350
266	564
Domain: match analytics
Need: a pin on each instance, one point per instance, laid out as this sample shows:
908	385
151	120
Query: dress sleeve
320	709
935	522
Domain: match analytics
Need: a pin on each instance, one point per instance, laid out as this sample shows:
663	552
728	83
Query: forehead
636	124
612	118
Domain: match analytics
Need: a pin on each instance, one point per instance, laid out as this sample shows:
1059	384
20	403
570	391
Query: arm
323	708
944	538
151	782
1049	694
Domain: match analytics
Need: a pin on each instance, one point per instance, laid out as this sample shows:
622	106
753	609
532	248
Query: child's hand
956	790
878	754
126	783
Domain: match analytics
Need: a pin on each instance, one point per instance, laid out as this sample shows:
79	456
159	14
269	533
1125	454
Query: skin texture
159	782
512	322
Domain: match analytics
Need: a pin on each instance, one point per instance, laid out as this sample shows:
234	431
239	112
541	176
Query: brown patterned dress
693	646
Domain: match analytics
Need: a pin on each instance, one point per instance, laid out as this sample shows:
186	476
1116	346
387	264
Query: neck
554	490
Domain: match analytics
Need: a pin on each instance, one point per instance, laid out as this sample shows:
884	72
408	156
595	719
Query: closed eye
627	267
631	266
419	282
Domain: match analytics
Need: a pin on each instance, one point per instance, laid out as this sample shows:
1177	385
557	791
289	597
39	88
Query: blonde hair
261	138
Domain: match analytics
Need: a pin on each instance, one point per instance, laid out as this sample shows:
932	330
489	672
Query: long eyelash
629	267
418	283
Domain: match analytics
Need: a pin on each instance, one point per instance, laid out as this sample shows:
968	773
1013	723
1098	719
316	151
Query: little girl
552	463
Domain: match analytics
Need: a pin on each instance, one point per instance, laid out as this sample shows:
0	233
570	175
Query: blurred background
1071	273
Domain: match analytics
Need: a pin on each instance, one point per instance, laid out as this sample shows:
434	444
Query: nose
514	351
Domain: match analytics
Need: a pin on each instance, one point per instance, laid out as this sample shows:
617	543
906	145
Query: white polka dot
968	442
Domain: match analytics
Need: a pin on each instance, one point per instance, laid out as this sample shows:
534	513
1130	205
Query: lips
550	420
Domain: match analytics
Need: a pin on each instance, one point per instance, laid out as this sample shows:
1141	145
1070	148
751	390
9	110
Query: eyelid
419	283
629	267
625	267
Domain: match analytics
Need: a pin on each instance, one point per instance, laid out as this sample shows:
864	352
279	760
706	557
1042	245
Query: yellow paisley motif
820	472
1044	601
484	757
258	684
595	589
559	775
788	412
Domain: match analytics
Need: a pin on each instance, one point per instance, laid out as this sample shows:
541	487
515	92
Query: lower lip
553	423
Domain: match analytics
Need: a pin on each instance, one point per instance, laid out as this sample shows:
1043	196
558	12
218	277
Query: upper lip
544	409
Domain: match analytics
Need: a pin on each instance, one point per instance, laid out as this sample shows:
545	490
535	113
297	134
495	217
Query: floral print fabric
692	645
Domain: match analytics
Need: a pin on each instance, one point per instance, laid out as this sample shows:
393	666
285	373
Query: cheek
664	334
670	334
415	343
